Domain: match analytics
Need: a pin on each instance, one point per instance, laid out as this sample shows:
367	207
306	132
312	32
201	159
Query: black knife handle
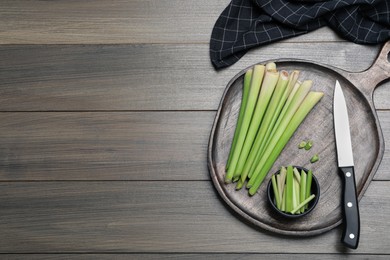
351	217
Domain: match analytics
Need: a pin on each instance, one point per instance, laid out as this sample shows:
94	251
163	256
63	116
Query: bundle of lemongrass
273	106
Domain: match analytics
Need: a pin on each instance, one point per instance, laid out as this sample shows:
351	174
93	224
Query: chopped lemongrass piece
309	178
277	144
257	77
314	159
302	195
302	145
295	202
289	189
282	174
283	208
308	145
303	203
297	191
244	165
267	88
297	175
276	192
299	96
245	93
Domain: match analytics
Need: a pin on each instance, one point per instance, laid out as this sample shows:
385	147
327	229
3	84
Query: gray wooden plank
221	256
116	21
115	146
155	216
144	77
104	146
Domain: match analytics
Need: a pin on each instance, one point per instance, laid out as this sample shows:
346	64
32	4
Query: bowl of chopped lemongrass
293	191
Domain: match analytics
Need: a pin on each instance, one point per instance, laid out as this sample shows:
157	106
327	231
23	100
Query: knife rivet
349	204
351	236
348	174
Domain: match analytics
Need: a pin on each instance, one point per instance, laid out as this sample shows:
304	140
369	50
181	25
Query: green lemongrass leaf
267	88
277	146
289	189
276	192
280	88
257	77
302	194
299	96
297	175
303	203
245	93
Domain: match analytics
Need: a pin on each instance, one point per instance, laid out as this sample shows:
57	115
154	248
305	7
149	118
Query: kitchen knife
351	231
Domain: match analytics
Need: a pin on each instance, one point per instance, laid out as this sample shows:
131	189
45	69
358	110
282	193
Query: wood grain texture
115	146
155	216
116	21
179	256
145	77
104	146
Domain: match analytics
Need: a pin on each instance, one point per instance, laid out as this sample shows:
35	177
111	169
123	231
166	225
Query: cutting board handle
379	71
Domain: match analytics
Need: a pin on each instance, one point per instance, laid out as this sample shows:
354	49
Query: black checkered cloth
245	24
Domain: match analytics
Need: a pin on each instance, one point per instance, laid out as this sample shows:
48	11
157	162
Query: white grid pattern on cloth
245	24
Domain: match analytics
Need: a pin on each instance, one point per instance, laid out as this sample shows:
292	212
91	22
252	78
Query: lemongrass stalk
245	92
293	101
310	101
276	192
293	107
289	189
297	175
291	88
303	203
257	77
265	124
283	208
287	104
267	88
297	191
309	178
294	194
302	195
282	175
278	181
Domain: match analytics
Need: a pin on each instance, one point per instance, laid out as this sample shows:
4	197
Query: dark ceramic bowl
315	189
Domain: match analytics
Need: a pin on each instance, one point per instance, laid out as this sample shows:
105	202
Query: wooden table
106	109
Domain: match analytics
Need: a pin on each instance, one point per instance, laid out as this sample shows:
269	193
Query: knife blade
351	229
